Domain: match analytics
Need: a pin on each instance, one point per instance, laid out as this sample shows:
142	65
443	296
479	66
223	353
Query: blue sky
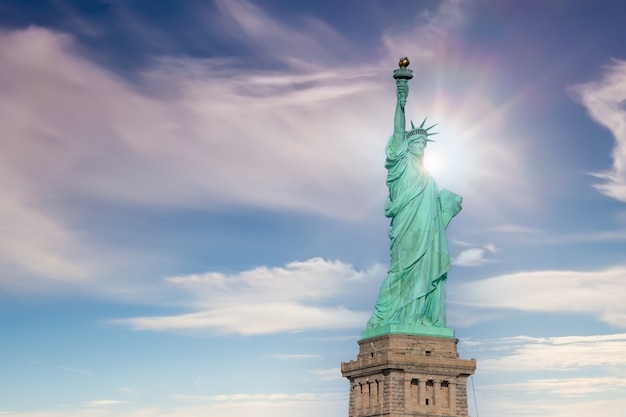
192	200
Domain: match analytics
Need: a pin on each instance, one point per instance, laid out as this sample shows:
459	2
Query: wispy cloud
235	405
597	293
461	316
330	374
430	29
265	300
61	146
567	387
76	370
34	241
279	397
531	354
303	44
353	337
513	228
193	397
266	400
517	405
129	391
551	375
543	237
595	236
474	256
266	405
102	403
313	279
294	356
250	319
604	100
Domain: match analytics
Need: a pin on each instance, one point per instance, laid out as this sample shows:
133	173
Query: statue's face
416	147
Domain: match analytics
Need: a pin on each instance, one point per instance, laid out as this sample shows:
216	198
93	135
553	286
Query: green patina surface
412	296
407	329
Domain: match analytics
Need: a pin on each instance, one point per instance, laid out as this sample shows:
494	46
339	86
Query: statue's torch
402	76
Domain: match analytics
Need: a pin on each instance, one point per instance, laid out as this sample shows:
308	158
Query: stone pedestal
398	375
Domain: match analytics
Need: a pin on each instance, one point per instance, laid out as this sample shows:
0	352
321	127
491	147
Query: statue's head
417	144
417	138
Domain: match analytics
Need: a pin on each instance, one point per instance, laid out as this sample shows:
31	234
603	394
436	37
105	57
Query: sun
450	158
433	163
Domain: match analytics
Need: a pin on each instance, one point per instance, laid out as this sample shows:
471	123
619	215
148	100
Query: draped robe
413	291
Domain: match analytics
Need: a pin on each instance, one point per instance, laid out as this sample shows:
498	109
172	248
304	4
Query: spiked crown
420	131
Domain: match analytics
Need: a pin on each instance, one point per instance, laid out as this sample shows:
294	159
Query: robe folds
413	291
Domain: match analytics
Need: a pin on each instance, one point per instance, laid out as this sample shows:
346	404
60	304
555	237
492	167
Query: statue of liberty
412	296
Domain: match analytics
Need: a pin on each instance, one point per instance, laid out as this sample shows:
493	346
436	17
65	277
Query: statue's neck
418	162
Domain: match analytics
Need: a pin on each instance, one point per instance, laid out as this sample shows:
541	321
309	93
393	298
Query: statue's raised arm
402	76
399	122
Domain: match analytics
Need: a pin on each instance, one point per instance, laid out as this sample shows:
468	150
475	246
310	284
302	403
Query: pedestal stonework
398	375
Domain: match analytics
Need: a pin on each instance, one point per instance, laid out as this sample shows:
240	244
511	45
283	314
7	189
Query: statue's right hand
402	91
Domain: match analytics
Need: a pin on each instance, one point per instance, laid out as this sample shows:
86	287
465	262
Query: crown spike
412	125
422	125
428	128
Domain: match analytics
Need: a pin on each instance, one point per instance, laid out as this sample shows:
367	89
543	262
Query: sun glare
449	159
433	163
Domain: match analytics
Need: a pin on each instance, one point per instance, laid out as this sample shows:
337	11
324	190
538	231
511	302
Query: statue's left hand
450	202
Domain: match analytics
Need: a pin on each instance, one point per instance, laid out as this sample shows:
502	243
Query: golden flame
404	62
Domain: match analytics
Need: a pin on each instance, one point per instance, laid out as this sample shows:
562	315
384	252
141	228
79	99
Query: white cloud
471	257
269	300
598	293
604	99
491	247
531	354
256	319
313	279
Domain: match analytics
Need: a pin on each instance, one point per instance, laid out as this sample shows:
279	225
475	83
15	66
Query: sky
192	200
